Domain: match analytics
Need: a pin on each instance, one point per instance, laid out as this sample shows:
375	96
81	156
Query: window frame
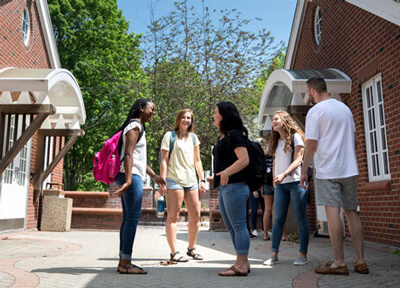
318	25
375	130
26	26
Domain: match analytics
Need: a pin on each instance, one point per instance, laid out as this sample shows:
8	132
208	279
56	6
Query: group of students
178	181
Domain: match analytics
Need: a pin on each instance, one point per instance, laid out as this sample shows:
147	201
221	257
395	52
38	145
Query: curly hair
179	117
290	128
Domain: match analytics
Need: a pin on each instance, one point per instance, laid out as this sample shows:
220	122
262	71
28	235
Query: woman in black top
230	159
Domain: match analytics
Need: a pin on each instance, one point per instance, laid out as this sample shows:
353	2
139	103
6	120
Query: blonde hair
179	117
290	128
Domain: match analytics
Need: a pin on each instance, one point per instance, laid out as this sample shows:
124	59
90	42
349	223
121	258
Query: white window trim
317	25
26	26
376	115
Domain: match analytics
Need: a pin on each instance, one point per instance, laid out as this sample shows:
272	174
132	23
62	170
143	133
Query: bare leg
174	203
336	235
269	202
193	207
355	228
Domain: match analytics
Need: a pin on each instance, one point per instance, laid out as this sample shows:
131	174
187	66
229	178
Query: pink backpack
107	162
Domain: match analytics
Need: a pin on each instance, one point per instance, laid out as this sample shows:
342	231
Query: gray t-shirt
139	154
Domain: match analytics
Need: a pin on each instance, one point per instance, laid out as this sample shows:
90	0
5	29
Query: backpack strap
120	140
171	143
292	146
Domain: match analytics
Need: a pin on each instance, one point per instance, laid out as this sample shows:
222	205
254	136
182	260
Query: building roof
48	86
385	9
286	88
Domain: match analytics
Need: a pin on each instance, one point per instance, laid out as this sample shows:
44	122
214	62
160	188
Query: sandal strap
173	254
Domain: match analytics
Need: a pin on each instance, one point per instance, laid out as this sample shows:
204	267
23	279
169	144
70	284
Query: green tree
195	61
276	63
94	44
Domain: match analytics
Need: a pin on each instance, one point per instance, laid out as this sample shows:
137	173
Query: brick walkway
89	258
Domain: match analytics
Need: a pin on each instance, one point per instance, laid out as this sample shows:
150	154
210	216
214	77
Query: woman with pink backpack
130	179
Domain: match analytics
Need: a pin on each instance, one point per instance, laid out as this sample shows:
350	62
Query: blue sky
277	15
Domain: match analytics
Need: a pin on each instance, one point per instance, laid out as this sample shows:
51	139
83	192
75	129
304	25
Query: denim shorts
172	185
268	190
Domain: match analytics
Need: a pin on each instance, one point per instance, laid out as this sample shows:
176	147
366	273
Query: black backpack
269	175
257	166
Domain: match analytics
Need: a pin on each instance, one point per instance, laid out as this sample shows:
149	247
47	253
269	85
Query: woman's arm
163	168
199	168
238	165
297	159
130	144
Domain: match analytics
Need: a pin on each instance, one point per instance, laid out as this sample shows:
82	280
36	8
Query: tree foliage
94	44
192	58
196	57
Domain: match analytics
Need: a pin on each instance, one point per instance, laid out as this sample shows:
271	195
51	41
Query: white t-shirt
181	167
283	160
139	154
331	123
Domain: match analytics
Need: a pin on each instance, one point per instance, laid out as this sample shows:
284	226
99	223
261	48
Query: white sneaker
271	261
255	233
300	261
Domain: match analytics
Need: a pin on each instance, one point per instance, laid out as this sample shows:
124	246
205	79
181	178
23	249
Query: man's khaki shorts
337	192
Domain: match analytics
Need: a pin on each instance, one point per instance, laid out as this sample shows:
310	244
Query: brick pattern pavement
89	258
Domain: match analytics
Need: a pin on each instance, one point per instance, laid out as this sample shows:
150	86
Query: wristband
203	180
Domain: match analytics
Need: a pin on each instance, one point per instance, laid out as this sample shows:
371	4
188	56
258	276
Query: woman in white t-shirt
130	180
179	165
287	183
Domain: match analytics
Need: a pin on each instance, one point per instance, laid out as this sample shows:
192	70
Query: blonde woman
179	165
287	183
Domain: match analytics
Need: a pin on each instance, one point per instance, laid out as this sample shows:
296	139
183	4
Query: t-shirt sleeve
196	140
236	139
298	141
165	141
133	125
312	127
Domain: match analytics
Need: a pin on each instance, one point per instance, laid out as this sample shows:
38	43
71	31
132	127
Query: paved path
89	258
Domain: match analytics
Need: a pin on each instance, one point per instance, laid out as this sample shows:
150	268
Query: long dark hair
135	112
230	118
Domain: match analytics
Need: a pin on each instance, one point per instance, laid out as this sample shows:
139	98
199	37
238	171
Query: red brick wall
362	45
13	53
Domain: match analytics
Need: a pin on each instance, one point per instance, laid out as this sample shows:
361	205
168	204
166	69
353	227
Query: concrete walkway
89	259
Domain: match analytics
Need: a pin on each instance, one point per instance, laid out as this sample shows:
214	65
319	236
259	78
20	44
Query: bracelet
203	180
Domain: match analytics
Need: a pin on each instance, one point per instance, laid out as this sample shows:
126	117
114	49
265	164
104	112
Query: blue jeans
254	208
131	211
232	200
284	194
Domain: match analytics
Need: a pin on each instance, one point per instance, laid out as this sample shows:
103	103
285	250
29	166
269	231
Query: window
9	172
26	26
317	25
375	130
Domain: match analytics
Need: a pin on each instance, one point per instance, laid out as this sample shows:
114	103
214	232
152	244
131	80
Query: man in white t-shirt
330	136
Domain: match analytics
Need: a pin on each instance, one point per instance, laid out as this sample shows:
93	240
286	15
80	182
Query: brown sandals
236	272
125	269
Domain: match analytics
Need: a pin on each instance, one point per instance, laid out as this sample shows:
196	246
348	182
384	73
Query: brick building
41	110
355	46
